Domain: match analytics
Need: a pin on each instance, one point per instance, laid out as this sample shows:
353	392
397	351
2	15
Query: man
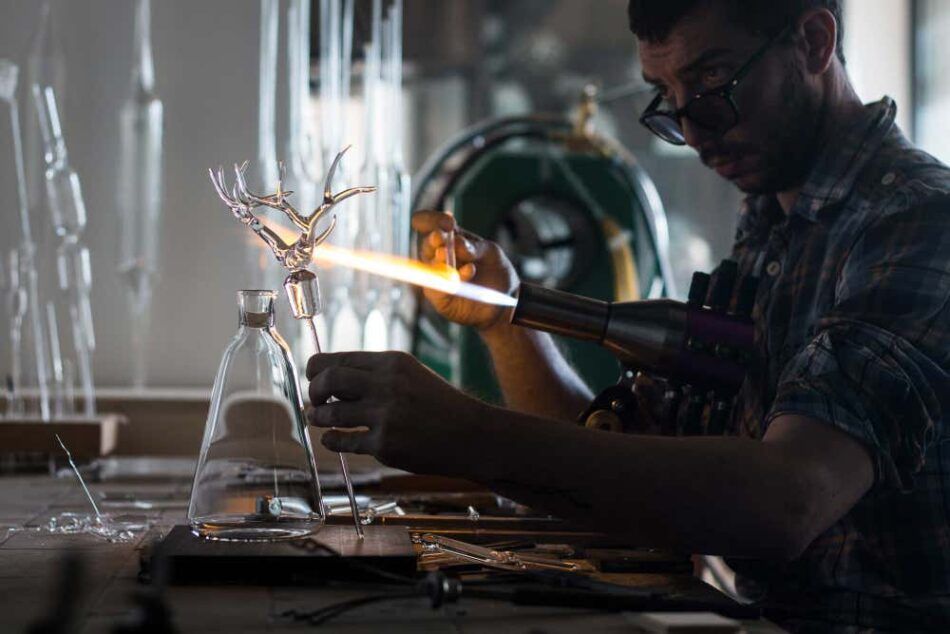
833	493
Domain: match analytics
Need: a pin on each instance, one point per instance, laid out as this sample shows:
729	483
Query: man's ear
818	37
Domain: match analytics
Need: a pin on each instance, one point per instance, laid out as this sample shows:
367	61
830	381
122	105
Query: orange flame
438	277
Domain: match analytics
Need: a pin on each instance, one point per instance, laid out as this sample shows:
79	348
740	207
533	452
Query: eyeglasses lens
712	112
665	127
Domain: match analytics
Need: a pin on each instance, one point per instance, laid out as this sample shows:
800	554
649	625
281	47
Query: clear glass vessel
256	478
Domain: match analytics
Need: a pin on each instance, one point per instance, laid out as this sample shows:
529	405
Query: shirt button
773	268
889	178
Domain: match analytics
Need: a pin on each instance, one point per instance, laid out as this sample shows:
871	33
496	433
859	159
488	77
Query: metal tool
373	511
497	559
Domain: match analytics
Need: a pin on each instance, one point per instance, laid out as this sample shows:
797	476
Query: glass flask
256	478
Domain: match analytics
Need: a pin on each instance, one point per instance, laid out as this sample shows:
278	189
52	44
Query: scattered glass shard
106	527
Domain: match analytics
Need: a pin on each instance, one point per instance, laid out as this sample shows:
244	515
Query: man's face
771	147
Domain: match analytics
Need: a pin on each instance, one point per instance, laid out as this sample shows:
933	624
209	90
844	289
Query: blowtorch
699	348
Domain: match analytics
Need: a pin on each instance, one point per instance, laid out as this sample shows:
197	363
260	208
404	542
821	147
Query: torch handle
354	509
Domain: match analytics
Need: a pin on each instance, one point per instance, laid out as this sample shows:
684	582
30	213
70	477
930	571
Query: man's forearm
534	376
726	496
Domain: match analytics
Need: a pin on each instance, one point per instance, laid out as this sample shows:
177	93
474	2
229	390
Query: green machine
571	209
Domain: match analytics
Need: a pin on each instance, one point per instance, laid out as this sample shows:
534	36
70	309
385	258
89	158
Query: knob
723	285
698	289
604	420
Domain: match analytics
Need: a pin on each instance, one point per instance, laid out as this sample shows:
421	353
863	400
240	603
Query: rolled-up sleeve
877	366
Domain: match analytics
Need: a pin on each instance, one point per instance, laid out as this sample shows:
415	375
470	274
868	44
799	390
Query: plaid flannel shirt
853	329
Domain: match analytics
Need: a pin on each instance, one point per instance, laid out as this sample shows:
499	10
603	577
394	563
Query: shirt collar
844	156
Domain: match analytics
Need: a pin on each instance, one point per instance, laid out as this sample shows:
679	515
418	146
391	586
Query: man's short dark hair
652	20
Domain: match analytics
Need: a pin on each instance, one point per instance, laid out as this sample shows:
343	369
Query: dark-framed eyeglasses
713	109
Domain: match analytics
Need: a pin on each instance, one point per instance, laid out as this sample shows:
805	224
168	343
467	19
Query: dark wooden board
334	553
84	437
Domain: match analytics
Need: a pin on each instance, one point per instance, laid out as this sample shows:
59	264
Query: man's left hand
392	407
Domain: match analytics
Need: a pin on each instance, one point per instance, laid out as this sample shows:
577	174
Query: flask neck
256	309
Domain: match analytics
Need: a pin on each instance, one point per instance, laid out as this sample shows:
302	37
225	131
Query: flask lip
256	308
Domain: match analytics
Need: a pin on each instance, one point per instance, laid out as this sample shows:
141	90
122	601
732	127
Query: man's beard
793	146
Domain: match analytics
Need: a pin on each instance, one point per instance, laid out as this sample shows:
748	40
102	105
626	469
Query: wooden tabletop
32	561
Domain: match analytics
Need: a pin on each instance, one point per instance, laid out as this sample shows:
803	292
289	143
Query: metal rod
354	509
357	524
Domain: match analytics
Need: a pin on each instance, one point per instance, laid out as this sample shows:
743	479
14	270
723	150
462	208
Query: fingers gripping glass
713	109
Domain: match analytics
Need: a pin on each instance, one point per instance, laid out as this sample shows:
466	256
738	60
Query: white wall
878	43
933	131
206	66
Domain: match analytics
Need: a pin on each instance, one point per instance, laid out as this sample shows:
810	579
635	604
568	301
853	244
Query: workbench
31	563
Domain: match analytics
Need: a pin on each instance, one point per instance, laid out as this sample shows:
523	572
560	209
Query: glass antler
242	202
301	286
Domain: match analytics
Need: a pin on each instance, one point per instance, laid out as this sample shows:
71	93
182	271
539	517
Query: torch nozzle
561	313
672	339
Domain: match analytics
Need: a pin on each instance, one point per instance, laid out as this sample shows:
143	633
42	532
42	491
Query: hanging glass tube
27	332
61	405
67	211
294	149
378	221
15	304
263	172
140	191
331	53
400	176
346	70
345	328
384	128
364	296
403	300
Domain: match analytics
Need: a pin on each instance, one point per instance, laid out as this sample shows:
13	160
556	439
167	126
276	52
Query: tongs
435	545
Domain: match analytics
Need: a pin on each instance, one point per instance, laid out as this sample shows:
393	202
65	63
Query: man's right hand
480	261
533	375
